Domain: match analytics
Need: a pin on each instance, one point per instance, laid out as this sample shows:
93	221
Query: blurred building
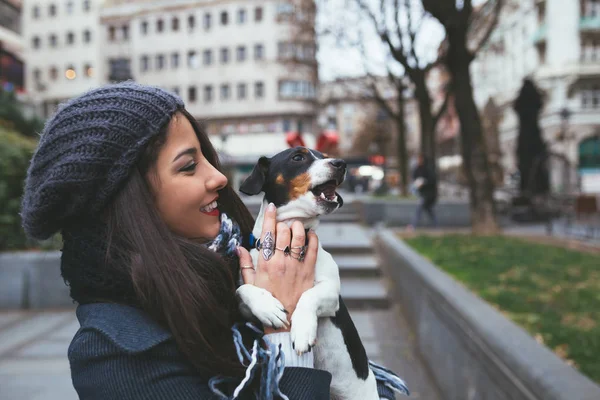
62	50
557	44
242	66
347	106
11	46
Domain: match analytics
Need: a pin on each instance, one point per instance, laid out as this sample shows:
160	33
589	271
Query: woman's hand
284	276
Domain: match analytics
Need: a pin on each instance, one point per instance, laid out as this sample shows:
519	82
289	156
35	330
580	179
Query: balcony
589	24
539	37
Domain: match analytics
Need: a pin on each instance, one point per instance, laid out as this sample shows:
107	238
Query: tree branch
443	108
491	26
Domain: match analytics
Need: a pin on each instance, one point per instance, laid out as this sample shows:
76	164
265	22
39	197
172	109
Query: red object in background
377	160
294	139
327	141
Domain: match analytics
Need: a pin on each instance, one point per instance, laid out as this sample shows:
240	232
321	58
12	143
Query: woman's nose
217	181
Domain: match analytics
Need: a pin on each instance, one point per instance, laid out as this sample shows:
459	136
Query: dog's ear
255	182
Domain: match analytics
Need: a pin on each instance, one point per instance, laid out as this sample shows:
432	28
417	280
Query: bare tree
398	24
463	40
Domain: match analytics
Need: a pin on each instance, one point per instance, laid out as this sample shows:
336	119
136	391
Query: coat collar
129	328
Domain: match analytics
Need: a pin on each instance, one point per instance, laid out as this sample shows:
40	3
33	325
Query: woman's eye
190	167
298	157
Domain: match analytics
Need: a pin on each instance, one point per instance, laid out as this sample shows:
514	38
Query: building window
70	38
160	61
35	42
591	8
259	90
36	12
89	70
192	94
53	40
259	52
193	61
208	90
87	36
207	57
175	24
112	33
241	16
175	60
53	73
589	152
119	69
285	11
224	91
70	73
241	53
296	89
86	5
37	74
52	10
160	25
144	63
224	55
258	14
175	90
191	22
69	7
241	91
224	18
207	21
125	32
144	27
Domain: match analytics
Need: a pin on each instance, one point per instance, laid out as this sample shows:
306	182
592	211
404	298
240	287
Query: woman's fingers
298	240
246	266
267	238
313	248
284	236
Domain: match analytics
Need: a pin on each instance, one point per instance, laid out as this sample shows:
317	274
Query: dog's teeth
323	196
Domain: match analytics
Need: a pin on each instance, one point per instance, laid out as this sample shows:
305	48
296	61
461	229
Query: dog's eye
298	157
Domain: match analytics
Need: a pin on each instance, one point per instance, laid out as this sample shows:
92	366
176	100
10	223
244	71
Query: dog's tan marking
279	180
299	185
303	150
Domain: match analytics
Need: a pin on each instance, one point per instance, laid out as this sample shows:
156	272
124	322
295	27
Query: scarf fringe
261	356
389	379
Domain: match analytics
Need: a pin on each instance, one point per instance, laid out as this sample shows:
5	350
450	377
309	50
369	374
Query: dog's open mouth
326	192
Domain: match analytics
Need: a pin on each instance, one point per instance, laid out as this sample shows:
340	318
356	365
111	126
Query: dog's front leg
322	300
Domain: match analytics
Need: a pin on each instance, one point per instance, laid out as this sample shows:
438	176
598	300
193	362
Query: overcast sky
338	61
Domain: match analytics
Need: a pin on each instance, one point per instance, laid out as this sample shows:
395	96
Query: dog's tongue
329	191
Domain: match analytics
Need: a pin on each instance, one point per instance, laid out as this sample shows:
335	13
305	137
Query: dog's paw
304	331
263	306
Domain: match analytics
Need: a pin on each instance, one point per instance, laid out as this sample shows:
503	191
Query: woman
134	186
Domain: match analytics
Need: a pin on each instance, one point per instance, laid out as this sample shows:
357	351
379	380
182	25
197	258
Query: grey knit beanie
87	150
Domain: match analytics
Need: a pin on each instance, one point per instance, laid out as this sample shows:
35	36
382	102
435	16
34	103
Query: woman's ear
255	182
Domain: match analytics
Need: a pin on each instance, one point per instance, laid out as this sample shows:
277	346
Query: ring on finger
266	246
286	250
249	267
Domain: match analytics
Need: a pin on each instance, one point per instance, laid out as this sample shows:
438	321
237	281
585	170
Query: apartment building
11	46
557	44
241	66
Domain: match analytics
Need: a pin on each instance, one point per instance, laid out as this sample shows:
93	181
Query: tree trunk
426	120
475	161
401	147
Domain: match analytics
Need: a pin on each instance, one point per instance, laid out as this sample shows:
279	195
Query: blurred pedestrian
133	184
425	186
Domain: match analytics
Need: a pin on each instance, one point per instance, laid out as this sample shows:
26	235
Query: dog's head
300	179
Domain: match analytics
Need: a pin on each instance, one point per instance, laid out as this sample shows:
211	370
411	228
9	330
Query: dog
302	184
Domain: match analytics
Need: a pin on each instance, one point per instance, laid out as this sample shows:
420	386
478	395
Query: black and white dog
302	184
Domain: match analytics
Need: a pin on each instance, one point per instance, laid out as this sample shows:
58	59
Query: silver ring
286	251
267	246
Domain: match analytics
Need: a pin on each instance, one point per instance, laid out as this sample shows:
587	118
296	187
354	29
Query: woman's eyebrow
190	151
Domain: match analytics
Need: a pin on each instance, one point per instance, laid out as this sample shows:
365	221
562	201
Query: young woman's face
186	184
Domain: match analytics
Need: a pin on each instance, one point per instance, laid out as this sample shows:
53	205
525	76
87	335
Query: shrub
15	152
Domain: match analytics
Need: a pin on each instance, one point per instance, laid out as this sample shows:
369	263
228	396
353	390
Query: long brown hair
181	284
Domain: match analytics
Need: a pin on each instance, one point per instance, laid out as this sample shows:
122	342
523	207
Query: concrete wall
31	280
401	213
472	350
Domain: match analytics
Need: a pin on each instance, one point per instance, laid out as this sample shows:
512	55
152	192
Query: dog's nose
338	164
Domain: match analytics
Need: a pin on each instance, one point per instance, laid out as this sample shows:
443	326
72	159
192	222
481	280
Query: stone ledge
472	350
32	280
401	212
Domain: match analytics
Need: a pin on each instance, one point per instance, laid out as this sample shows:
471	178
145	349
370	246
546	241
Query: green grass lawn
552	292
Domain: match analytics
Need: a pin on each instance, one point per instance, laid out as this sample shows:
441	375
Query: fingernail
271	207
